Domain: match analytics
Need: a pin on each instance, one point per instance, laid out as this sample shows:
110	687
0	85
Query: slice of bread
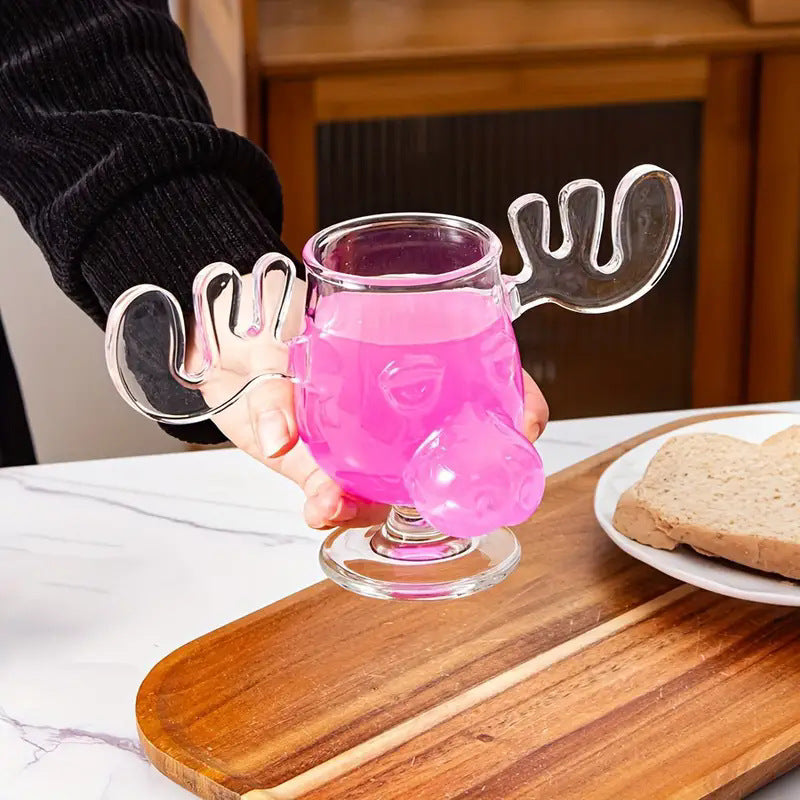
787	442
722	496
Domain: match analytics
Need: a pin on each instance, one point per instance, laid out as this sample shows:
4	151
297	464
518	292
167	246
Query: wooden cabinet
333	86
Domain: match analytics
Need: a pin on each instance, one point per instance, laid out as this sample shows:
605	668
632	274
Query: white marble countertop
107	566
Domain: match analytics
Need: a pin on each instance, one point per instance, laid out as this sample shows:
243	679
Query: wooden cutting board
585	675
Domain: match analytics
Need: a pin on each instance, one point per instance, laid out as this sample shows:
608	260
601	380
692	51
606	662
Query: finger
537	412
325	502
327	505
271	411
369	514
360	515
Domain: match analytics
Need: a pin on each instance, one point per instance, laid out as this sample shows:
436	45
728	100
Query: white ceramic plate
716	575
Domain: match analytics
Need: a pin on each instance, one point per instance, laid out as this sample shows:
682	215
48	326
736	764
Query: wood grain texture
292	146
770	12
775	316
590	82
725	233
584	675
307	37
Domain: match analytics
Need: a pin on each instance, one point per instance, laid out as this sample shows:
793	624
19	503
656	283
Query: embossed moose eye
412	383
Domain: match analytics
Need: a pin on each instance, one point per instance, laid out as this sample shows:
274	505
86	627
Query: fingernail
347	509
273	433
534	430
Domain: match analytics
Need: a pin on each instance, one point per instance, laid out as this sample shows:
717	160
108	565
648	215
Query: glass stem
407	537
405	524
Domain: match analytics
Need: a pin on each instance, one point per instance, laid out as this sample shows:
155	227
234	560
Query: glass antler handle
146	341
146	338
646	220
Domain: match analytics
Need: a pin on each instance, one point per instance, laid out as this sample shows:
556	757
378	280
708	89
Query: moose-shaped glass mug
407	378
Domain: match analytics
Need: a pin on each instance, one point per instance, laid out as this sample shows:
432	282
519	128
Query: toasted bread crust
639	516
640	523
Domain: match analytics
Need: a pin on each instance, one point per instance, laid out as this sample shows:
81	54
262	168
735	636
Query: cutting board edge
743	777
189	773
196	772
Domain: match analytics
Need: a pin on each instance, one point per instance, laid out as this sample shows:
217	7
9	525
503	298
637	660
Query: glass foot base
372	562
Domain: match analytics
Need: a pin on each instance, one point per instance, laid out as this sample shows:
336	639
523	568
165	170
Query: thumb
271	410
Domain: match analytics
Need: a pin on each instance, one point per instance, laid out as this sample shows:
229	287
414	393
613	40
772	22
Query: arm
109	155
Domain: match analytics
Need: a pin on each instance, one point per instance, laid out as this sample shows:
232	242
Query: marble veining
107	566
30	486
45	739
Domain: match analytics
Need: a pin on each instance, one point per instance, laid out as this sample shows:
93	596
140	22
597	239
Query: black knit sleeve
110	157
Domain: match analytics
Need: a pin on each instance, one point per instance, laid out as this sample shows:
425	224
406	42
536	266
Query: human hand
537	412
263	422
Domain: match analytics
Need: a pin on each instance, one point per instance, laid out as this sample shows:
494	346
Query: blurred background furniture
368	106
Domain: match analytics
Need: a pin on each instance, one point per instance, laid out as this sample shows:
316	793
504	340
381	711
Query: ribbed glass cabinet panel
637	359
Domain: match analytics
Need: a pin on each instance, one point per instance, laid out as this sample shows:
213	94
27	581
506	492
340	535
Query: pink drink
380	373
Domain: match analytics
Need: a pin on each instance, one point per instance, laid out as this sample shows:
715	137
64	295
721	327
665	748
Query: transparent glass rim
315	245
